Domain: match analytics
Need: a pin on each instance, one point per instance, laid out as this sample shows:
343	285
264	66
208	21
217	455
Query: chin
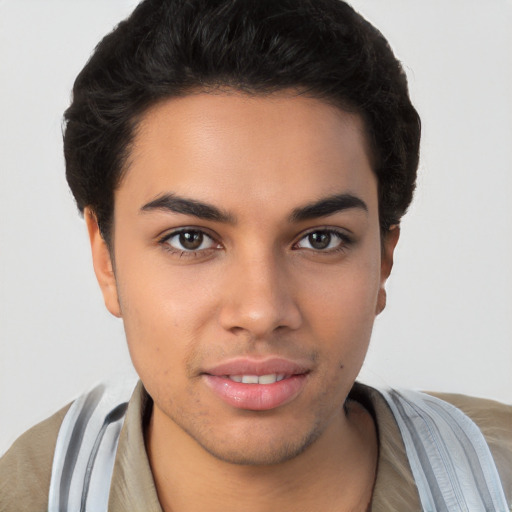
263	448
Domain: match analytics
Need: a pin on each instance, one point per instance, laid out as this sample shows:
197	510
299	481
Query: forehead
228	146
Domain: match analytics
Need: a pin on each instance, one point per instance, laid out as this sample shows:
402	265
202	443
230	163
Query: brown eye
189	240
319	240
323	240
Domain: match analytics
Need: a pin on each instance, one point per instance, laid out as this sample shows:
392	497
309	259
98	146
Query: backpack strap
86	448
451	463
450	460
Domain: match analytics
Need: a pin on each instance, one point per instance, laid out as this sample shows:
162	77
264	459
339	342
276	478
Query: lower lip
256	397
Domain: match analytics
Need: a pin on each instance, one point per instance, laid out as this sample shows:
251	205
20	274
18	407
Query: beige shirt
25	469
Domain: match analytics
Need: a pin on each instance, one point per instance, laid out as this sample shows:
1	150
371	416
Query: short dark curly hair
168	48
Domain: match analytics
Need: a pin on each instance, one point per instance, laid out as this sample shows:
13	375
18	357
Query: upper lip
248	366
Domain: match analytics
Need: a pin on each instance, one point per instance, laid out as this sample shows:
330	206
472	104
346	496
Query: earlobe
389	241
102	263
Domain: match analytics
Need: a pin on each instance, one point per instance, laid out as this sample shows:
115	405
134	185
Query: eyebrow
321	208
173	203
328	206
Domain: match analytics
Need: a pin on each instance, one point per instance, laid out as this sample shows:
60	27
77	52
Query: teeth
268	379
250	379
255	379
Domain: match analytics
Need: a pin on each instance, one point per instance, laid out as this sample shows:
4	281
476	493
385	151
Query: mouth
257	385
258	379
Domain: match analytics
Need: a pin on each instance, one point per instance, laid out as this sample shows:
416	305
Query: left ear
389	241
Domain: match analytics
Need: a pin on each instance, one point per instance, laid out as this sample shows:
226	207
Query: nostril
236	330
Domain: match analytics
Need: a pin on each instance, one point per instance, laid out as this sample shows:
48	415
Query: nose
258	298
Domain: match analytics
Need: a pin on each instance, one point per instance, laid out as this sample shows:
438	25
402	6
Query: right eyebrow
176	204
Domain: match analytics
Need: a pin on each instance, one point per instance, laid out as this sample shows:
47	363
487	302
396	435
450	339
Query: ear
102	263
389	241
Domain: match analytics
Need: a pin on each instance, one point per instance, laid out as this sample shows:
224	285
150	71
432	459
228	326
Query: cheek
163	310
340	306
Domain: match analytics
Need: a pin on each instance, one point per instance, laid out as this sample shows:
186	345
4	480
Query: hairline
227	89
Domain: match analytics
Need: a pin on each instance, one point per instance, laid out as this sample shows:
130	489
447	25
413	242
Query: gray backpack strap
450	460
86	448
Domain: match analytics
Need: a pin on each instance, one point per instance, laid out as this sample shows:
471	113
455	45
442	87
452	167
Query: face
248	268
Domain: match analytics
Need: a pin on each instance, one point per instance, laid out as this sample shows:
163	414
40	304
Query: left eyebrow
327	206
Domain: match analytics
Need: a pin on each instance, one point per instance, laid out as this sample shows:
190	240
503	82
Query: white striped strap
450	460
451	463
86	447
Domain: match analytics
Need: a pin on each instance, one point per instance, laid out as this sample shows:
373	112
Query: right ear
102	263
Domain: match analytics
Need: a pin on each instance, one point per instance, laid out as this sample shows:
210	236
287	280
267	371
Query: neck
336	472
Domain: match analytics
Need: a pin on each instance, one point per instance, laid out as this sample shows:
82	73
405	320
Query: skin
255	288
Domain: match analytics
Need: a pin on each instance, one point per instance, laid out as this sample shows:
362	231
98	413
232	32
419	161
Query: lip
257	397
249	366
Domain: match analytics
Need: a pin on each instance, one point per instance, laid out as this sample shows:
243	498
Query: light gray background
448	324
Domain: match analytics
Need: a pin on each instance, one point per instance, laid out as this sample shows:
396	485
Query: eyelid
342	232
345	236
169	234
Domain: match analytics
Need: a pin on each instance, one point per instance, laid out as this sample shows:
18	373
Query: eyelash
344	241
164	242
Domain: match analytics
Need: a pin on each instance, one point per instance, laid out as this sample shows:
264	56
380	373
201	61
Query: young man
242	167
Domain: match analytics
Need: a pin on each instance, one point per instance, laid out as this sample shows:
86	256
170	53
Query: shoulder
394	478
25	469
494	419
